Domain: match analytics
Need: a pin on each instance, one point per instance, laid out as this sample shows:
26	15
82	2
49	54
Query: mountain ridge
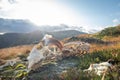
14	39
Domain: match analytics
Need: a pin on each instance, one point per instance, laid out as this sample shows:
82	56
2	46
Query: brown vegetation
11	52
113	42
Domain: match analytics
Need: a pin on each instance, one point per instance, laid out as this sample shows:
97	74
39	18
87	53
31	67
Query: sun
43	12
50	13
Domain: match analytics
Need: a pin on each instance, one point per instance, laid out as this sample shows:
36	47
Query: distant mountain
92	31
65	33
14	39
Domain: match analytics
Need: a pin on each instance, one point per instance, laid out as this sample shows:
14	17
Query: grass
77	73
8	53
85	61
98	53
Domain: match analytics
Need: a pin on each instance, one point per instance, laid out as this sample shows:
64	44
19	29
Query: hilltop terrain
102	47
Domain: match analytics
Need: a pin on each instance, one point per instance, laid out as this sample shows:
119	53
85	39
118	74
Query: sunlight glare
44	12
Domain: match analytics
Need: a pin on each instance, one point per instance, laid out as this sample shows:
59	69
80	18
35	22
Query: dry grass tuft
8	53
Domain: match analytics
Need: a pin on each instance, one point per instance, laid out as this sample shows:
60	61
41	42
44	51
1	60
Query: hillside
110	31
98	41
70	67
14	39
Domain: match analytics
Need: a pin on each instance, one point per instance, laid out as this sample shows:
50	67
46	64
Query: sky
91	14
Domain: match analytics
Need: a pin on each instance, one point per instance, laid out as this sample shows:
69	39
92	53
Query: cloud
115	20
41	12
6	4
